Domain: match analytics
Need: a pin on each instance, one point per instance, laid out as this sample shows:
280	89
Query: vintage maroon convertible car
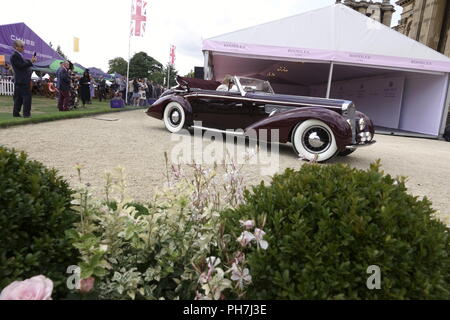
317	128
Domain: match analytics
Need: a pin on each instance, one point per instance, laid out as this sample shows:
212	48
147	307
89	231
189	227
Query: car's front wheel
174	117
314	140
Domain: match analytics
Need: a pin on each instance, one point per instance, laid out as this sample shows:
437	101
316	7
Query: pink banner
316	54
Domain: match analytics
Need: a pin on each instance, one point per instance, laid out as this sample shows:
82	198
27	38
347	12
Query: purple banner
325	55
33	43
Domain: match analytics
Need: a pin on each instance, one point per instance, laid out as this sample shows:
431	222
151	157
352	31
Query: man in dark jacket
64	88
22	80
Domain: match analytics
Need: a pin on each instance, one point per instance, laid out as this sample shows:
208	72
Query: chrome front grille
349	112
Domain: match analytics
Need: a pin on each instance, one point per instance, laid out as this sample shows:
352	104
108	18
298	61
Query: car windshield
255	85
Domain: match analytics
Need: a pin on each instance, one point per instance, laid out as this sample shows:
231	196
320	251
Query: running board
219	131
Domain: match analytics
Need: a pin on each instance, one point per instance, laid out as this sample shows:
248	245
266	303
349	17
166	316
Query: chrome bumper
357	146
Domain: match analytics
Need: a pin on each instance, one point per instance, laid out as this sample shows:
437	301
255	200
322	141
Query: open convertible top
192	83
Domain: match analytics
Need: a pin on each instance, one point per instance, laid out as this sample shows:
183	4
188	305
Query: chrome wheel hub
316	139
175	117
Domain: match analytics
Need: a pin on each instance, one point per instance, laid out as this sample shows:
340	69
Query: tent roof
33	43
334	33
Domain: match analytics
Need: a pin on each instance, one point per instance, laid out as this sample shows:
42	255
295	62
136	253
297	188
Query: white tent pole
446	109
330	79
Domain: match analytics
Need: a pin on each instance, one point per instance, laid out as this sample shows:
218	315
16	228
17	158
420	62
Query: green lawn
45	109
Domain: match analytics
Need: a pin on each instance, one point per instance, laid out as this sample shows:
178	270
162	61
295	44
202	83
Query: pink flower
245	238
86	285
259	234
249	224
205	278
36	288
242	277
239	257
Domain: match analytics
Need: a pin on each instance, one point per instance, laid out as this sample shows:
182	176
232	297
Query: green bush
327	224
34	215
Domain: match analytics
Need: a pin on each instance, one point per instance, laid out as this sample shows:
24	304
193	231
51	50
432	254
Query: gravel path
138	143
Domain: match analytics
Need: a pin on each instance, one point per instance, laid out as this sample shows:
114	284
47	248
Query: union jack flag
138	18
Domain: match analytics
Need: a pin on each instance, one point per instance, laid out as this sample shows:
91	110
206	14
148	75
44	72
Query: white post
330	79
129	54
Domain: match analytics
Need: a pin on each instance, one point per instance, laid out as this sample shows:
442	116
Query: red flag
172	55
138	17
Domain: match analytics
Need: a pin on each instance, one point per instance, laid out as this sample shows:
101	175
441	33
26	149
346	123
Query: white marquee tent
337	52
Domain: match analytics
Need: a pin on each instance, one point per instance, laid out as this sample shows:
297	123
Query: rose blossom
86	285
36	288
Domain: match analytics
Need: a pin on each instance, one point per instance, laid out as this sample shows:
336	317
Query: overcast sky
103	25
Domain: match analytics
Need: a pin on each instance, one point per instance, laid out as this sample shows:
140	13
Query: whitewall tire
174	117
313	138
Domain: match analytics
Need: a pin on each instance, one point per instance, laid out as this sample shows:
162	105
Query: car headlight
362	124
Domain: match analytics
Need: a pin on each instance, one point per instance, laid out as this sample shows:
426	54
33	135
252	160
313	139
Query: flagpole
129	53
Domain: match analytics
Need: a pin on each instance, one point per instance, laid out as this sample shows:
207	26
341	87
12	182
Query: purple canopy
97	73
33	43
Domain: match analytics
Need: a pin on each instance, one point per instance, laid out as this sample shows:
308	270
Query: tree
141	66
58	49
144	66
191	74
118	65
173	75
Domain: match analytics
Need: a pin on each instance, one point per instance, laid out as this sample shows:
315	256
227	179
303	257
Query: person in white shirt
228	85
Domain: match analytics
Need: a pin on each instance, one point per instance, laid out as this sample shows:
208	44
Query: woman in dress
136	95
92	90
84	84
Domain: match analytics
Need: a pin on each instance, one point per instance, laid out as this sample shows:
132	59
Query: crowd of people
140	90
71	89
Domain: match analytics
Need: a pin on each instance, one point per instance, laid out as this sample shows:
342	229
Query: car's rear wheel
174	117
314	140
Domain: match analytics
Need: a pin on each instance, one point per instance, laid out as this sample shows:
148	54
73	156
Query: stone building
427	21
379	11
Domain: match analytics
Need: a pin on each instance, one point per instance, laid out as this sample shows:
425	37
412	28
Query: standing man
58	73
22	80
58	80
102	89
64	88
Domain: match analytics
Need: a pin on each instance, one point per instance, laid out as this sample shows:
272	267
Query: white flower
199	296
241	276
204	278
249	224
245	238
259	234
213	262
